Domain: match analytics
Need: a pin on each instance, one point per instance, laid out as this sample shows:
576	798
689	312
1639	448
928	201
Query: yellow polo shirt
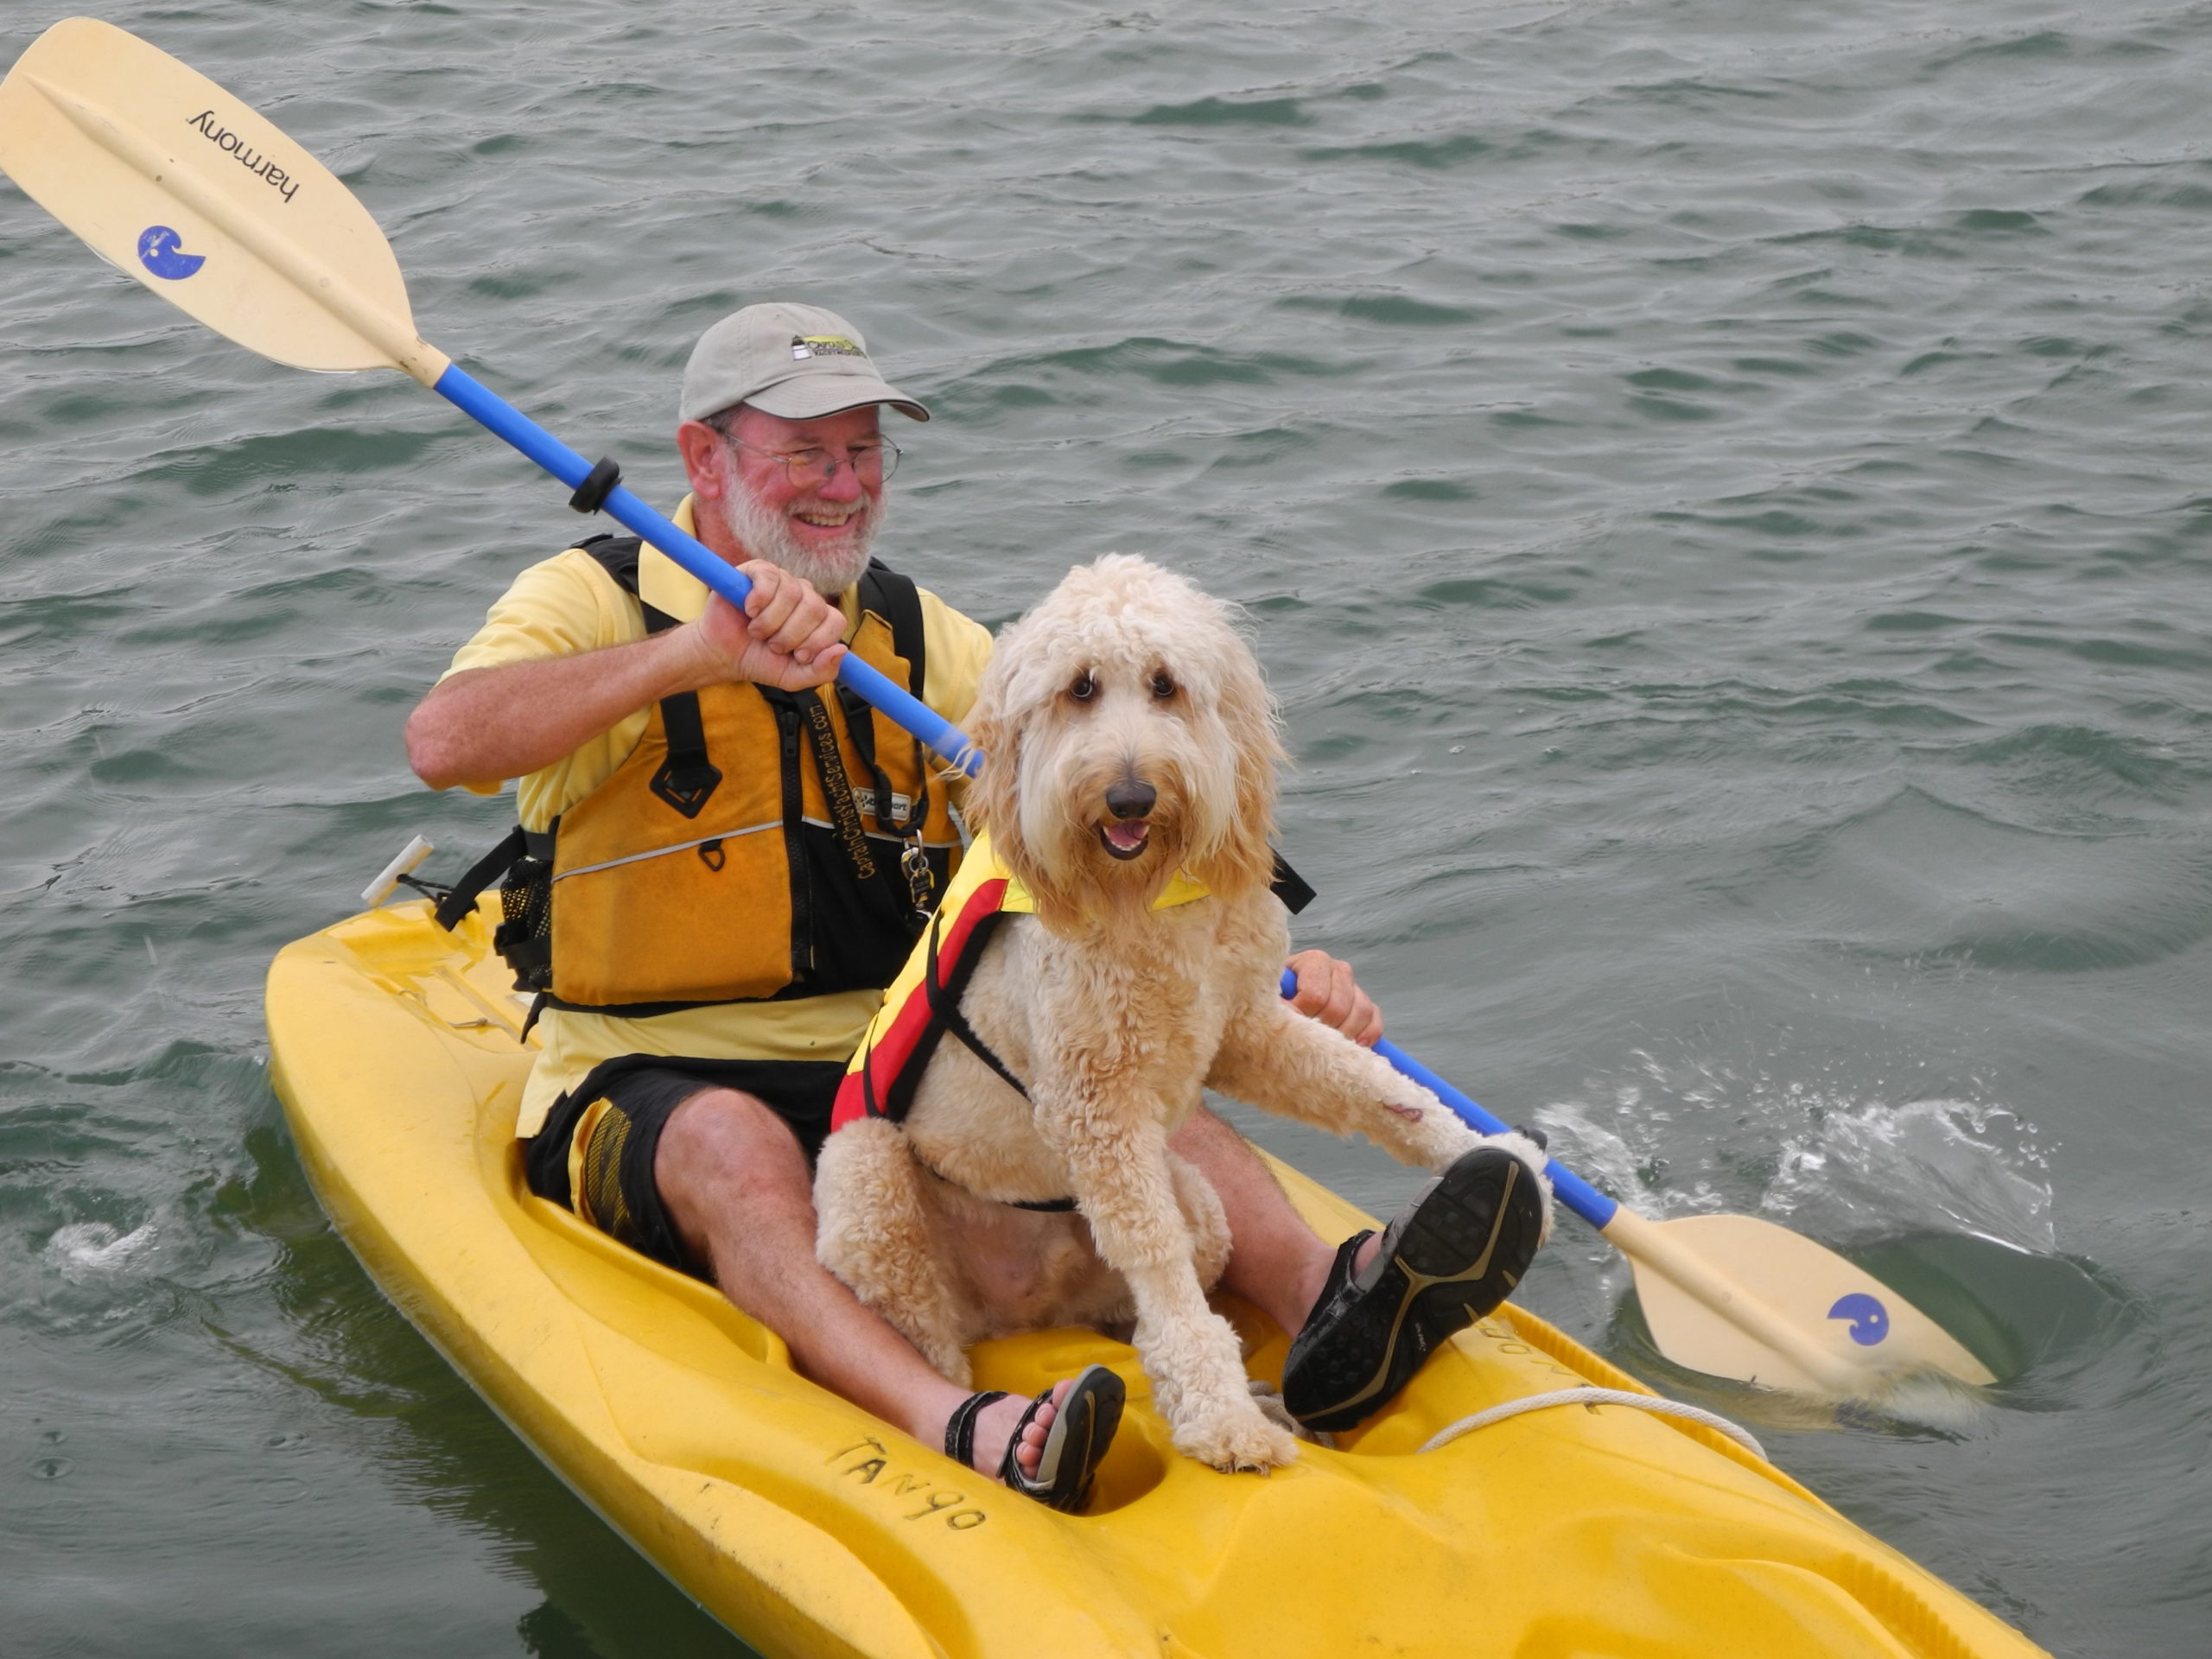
565	605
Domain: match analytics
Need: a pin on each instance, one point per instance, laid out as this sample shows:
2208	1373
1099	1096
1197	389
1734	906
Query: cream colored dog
1130	738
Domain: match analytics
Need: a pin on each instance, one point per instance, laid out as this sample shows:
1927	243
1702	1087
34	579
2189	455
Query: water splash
85	1248
1943	1166
1695	1138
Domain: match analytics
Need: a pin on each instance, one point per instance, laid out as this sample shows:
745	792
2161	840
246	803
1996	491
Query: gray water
1718	486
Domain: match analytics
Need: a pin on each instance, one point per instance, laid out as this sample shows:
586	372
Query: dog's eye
1085	687
1163	685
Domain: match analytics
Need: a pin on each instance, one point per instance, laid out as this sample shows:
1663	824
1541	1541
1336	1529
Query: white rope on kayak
1649	1402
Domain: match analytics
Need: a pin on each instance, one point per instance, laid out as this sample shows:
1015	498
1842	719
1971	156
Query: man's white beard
764	533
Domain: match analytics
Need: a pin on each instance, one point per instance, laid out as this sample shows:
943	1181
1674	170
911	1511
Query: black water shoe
1451	1256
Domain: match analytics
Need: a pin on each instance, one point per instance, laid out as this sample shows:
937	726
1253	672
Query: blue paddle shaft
496	415
1570	1189
501	418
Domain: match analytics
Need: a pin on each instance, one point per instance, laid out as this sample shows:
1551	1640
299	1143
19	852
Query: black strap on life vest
686	779
460	898
899	602
837	787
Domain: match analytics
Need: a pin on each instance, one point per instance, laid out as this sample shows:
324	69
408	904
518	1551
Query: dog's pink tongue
1128	835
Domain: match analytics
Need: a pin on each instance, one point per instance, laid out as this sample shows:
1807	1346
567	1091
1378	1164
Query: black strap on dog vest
1042	1206
944	1000
944	1003
1290	886
944	1007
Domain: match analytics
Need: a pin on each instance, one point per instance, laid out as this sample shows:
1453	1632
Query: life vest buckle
921	883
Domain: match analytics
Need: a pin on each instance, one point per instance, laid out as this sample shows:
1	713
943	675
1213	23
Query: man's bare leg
1275	1260
739	1190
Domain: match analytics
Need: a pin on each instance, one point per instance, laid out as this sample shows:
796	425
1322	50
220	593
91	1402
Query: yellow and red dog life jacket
923	1003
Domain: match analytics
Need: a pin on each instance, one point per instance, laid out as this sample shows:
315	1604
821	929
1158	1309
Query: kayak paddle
205	201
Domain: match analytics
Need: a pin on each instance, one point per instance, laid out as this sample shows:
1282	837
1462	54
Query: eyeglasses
809	469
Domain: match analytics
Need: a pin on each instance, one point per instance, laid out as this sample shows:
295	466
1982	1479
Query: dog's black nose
1131	799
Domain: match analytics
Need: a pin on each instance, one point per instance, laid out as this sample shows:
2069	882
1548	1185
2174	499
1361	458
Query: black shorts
619	1196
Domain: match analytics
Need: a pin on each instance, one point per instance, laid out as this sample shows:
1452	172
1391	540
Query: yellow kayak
812	1529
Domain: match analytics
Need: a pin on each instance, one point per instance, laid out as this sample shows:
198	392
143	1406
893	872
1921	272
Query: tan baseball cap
797	361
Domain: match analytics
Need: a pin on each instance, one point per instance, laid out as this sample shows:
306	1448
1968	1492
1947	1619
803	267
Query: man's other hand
787	636
1327	991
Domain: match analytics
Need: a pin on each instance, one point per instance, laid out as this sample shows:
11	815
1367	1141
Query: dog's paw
1537	1160
1269	1398
1238	1440
1447	1140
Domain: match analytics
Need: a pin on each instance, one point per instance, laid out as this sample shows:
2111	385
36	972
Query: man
719	919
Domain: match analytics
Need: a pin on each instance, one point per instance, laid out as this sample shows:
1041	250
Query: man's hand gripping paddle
173	179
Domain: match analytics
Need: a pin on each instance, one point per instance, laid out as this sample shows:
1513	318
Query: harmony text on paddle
262	166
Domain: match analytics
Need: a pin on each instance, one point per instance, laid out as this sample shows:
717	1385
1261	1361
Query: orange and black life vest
756	844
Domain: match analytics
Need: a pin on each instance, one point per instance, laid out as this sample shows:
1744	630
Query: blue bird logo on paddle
158	250
1870	1320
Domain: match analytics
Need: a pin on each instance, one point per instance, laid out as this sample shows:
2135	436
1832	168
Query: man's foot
1010	1420
1450	1256
1049	1447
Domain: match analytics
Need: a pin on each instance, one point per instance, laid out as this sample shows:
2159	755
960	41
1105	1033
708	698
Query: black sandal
1074	1446
1451	1256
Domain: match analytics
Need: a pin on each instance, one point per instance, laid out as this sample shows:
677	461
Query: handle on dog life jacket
1571	1189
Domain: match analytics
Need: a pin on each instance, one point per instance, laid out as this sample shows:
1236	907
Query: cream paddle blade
1815	1321
172	179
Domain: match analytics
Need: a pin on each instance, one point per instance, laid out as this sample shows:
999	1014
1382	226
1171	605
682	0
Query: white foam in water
85	1247
1930	1400
1845	1170
1864	1170
1596	1154
1610	1161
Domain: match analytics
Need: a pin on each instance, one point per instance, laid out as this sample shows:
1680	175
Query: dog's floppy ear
993	799
991	804
1243	860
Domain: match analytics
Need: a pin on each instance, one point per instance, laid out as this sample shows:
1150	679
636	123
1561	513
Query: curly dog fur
1126	683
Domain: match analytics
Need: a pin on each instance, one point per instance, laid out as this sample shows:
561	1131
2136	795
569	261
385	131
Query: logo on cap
807	346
